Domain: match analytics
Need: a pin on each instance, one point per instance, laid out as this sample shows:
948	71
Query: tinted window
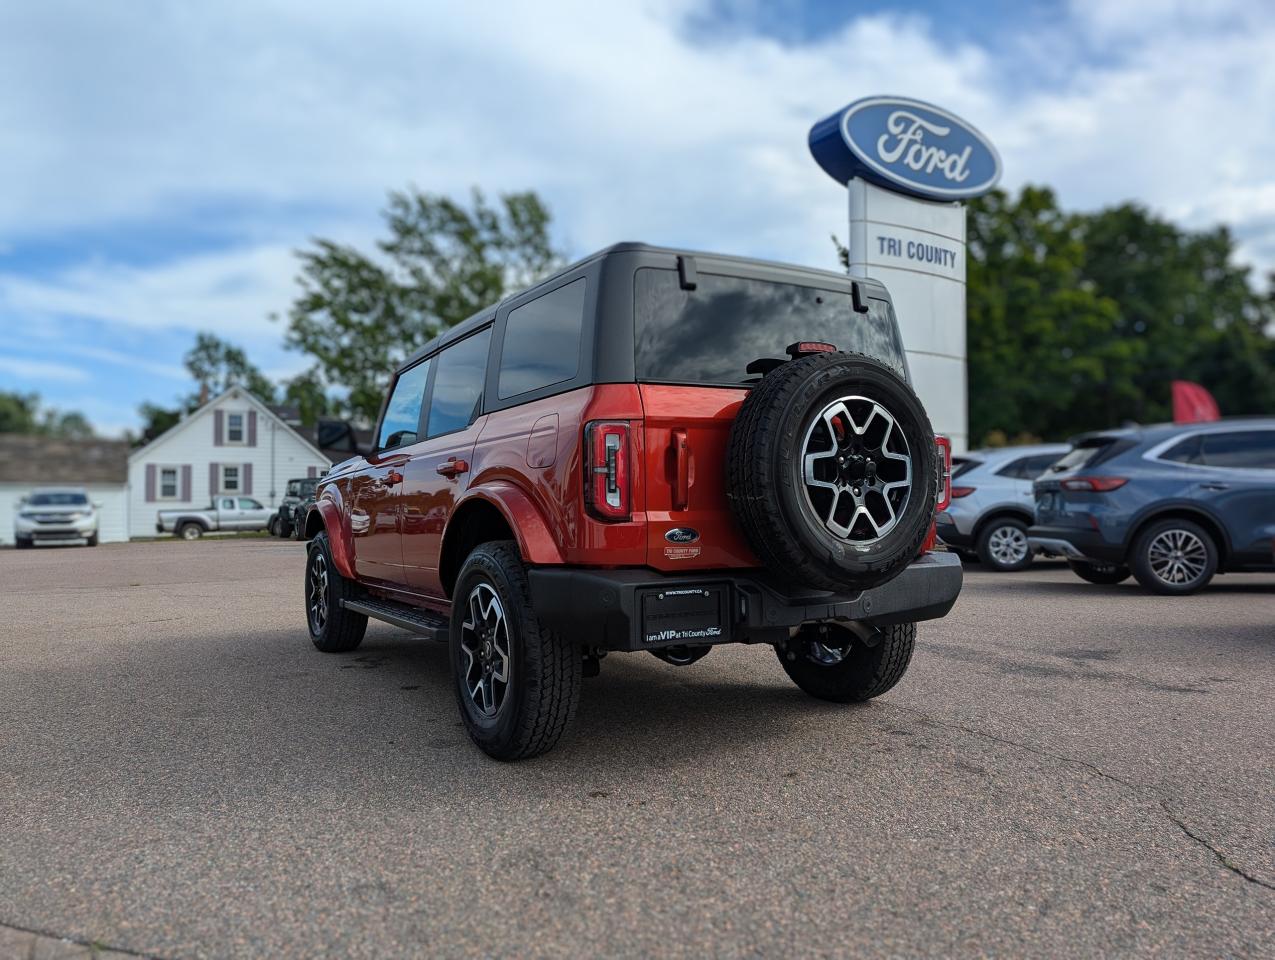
542	341
1086	453
58	500
1028	468
712	333
1243	448
403	413
458	385
294	489
962	465
1185	451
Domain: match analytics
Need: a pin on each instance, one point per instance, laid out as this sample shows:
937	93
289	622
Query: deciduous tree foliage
22	413
1079	321
360	313
217	365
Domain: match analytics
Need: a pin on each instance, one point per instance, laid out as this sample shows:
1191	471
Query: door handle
452	466
393	477
682	477
1215	486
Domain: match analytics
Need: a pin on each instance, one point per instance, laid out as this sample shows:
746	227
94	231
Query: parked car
300	509
225	513
1171	504
297	491
652	450
992	503
55	514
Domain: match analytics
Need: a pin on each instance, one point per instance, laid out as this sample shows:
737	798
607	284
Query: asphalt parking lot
1067	769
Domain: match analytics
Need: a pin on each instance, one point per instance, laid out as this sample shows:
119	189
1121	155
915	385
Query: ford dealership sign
906	145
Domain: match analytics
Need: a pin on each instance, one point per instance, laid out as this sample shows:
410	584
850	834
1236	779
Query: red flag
1192	403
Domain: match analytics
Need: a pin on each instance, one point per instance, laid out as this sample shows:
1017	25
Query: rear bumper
640	609
1075	544
947	530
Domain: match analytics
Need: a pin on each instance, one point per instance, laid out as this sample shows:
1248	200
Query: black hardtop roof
460	330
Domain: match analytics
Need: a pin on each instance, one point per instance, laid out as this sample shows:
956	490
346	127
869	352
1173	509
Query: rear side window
1185	451
458	385
710	334
962	465
542	341
403	413
1253	449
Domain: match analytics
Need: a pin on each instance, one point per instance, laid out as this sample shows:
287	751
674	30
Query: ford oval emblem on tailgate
681	535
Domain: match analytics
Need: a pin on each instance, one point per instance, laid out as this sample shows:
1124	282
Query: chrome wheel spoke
856	469
1177	557
484	641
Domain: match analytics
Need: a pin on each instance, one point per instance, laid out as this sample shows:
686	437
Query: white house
99	466
233	444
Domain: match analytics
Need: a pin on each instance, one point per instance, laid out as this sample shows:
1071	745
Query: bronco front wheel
333	628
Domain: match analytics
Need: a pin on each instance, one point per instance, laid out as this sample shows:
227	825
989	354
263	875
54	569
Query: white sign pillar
917	249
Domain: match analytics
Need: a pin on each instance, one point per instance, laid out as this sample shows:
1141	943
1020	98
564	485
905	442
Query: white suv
993	505
55	513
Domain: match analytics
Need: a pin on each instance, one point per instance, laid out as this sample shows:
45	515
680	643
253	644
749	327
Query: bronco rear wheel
517	683
832	471
847	663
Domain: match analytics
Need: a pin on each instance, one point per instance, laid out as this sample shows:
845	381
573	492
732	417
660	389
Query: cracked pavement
1066	769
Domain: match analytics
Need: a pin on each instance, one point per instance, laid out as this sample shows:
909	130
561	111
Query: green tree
18	412
360	313
308	394
22	413
216	365
156	420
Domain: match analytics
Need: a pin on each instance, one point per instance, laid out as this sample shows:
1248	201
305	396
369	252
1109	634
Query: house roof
240	393
51	462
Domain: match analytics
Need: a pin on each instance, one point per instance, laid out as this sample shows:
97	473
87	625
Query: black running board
424	623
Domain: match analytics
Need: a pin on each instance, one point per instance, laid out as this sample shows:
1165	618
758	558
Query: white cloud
39	371
633	127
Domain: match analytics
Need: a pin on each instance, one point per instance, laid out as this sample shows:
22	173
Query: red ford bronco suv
652	450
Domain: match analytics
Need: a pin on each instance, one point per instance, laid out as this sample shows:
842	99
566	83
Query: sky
163	161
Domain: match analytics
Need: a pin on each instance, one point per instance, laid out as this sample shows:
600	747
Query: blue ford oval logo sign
906	145
681	535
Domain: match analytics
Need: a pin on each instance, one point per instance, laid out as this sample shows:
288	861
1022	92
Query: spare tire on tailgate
832	471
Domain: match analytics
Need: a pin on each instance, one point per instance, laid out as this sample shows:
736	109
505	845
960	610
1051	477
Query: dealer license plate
684	615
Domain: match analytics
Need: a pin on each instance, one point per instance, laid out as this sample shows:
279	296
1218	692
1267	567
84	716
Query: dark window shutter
185	491
150	483
252	428
311	472
214	482
245	479
219	428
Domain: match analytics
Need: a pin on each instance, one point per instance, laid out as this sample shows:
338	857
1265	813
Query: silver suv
992	503
55	514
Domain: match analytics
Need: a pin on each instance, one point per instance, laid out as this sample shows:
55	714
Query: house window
168	483
229	479
234	428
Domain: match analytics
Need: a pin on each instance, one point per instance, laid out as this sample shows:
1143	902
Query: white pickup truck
223	514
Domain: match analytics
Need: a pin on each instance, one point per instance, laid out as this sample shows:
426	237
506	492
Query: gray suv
1171	504
992	501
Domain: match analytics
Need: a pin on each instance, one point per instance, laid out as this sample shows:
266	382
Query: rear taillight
958	492
1094	484
606	480
945	472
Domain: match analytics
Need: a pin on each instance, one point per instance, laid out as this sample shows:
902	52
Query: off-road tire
1140	560
764	473
865	672
541	697
984	548
272	527
1100	573
190	530
341	629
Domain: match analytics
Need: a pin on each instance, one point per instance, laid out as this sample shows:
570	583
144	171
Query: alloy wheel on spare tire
832	471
